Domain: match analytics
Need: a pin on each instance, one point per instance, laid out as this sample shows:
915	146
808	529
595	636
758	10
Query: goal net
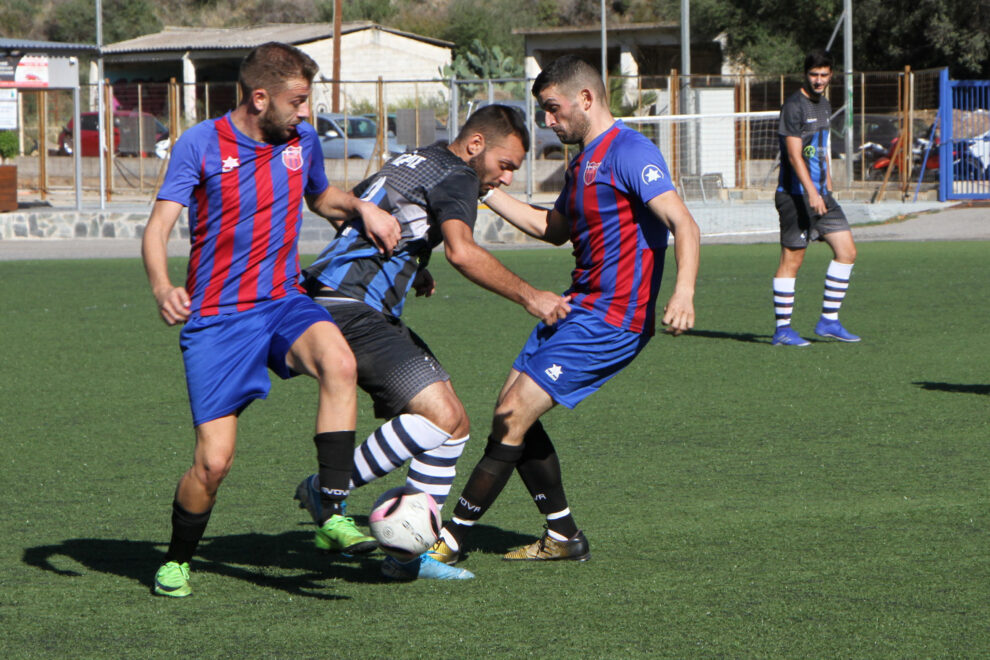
712	154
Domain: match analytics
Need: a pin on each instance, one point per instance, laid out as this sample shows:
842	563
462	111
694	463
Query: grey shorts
393	363
799	225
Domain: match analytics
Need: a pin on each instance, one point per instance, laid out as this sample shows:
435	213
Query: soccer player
244	177
617	207
434	193
807	210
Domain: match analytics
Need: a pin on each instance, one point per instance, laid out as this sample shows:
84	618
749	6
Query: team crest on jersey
229	164
652	174
810	151
292	158
589	172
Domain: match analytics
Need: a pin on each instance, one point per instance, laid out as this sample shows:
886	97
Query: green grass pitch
741	500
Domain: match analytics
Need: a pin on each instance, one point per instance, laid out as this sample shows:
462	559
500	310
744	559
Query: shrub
10	146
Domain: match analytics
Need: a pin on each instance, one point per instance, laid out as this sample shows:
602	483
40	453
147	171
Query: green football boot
340	534
172	580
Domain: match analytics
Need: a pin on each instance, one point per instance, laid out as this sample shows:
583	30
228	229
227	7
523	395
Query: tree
75	21
772	36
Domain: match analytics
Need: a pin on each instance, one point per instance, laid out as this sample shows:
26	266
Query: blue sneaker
786	336
308	494
423	567
829	328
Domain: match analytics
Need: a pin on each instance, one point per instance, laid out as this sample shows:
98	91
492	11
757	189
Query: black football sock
483	487
539	469
187	530
335	454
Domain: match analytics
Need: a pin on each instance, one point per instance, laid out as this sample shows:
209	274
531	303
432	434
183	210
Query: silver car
352	136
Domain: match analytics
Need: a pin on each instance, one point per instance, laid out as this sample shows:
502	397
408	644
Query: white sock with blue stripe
434	470
783	299
392	444
836	284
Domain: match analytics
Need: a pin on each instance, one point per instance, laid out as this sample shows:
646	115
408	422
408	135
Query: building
211	55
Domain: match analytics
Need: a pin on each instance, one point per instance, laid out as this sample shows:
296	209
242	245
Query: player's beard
477	163
576	131
275	129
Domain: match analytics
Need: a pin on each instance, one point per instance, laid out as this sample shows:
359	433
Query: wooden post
108	109
337	11
878	194
42	150
140	112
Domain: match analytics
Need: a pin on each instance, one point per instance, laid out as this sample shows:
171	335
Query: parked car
361	134
546	144
126	135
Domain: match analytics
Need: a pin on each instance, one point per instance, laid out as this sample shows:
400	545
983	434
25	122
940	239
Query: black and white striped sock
836	284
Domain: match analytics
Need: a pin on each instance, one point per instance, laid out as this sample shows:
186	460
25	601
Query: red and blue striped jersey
619	244
245	201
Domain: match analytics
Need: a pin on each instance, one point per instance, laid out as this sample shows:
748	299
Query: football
405	522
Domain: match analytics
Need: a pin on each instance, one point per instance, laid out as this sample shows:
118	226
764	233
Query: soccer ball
405	522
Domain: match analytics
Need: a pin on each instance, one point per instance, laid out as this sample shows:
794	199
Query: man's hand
548	306
678	314
381	228
816	202
424	284
173	305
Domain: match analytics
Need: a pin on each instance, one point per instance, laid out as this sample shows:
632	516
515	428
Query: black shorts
799	225
393	363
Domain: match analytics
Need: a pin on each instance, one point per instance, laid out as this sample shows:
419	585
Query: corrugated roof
581	29
195	38
31	46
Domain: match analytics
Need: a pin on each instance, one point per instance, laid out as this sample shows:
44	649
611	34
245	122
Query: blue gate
964	116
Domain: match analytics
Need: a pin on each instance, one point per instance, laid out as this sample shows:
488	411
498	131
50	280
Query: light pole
101	123
604	48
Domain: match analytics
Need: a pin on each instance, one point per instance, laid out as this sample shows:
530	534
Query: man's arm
337	206
546	225
795	156
479	266
173	301
679	311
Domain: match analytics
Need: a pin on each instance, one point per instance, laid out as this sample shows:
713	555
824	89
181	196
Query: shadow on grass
748	337
493	540
286	561
957	388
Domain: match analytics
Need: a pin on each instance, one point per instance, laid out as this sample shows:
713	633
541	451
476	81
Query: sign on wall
24	71
8	109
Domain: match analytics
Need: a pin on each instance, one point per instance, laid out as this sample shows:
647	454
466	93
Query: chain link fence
362	123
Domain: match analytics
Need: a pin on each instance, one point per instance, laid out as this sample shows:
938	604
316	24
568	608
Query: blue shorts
573	358
227	356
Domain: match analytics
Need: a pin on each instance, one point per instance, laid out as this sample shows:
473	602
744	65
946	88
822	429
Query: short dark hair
568	71
497	122
271	65
817	59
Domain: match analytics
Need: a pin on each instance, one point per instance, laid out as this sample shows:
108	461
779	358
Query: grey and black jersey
809	120
422	189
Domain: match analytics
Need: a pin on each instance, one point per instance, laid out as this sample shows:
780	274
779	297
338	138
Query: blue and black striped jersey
422	190
809	120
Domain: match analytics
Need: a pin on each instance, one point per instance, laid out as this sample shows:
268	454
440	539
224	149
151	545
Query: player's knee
336	365
449	415
210	471
505	424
